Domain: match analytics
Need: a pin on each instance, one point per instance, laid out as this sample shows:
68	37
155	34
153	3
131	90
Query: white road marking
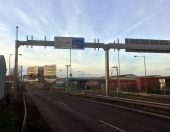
62	103
112	126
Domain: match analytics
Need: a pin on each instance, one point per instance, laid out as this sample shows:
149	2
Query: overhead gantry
130	45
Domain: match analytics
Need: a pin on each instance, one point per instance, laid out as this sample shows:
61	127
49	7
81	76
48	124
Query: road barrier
151	108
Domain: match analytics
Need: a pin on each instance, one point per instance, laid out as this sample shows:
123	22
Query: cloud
146	18
23	17
89	19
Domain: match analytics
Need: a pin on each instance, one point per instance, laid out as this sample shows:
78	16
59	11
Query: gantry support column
106	69
16	62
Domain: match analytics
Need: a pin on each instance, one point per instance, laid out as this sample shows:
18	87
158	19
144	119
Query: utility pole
70	70
67	67
145	71
21	73
60	72
116	67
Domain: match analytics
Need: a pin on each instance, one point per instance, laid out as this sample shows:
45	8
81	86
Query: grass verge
11	116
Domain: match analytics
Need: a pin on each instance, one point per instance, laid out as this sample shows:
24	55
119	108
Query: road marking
112	126
62	103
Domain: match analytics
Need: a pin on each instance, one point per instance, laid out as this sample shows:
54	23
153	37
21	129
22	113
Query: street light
21	73
116	67
10	65
111	74
119	65
145	71
60	72
67	67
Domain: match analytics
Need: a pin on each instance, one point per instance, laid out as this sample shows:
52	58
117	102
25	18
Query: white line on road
112	126
62	103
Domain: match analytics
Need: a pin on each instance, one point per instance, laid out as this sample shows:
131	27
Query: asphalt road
66	113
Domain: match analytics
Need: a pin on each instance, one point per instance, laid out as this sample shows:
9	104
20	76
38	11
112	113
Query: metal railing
156	109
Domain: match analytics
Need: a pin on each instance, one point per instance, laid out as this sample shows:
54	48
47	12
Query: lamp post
67	67
21	72
70	70
111	74
145	71
119	66
116	67
10	65
60	72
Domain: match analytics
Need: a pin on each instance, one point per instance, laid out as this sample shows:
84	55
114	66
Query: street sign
147	45
62	42
68	43
147	41
77	43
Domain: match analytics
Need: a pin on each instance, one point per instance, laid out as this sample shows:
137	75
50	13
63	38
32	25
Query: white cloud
144	18
78	18
23	17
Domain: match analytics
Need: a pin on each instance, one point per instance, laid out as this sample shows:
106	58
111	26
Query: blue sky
103	19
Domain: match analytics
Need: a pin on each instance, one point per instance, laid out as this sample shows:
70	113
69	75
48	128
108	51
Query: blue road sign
77	43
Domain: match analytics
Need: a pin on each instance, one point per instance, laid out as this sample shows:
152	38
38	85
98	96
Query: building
50	71
41	72
35	72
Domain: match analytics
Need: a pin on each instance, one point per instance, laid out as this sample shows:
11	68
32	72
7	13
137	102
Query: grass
11	116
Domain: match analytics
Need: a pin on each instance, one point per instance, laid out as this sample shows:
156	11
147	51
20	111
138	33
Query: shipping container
150	84
125	85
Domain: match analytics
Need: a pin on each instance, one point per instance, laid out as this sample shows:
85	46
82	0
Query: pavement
66	113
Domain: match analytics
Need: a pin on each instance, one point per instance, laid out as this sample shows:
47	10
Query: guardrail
132	101
132	95
151	108
148	96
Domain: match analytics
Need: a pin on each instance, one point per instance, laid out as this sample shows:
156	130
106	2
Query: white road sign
68	43
62	42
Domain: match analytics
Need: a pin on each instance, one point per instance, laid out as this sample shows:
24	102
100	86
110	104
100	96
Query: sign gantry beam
130	45
51	43
36	43
135	47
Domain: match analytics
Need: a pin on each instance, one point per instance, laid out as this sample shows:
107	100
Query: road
66	113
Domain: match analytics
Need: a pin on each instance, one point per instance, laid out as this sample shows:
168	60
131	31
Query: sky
106	20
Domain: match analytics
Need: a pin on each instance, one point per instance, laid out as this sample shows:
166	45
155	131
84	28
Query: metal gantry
158	47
